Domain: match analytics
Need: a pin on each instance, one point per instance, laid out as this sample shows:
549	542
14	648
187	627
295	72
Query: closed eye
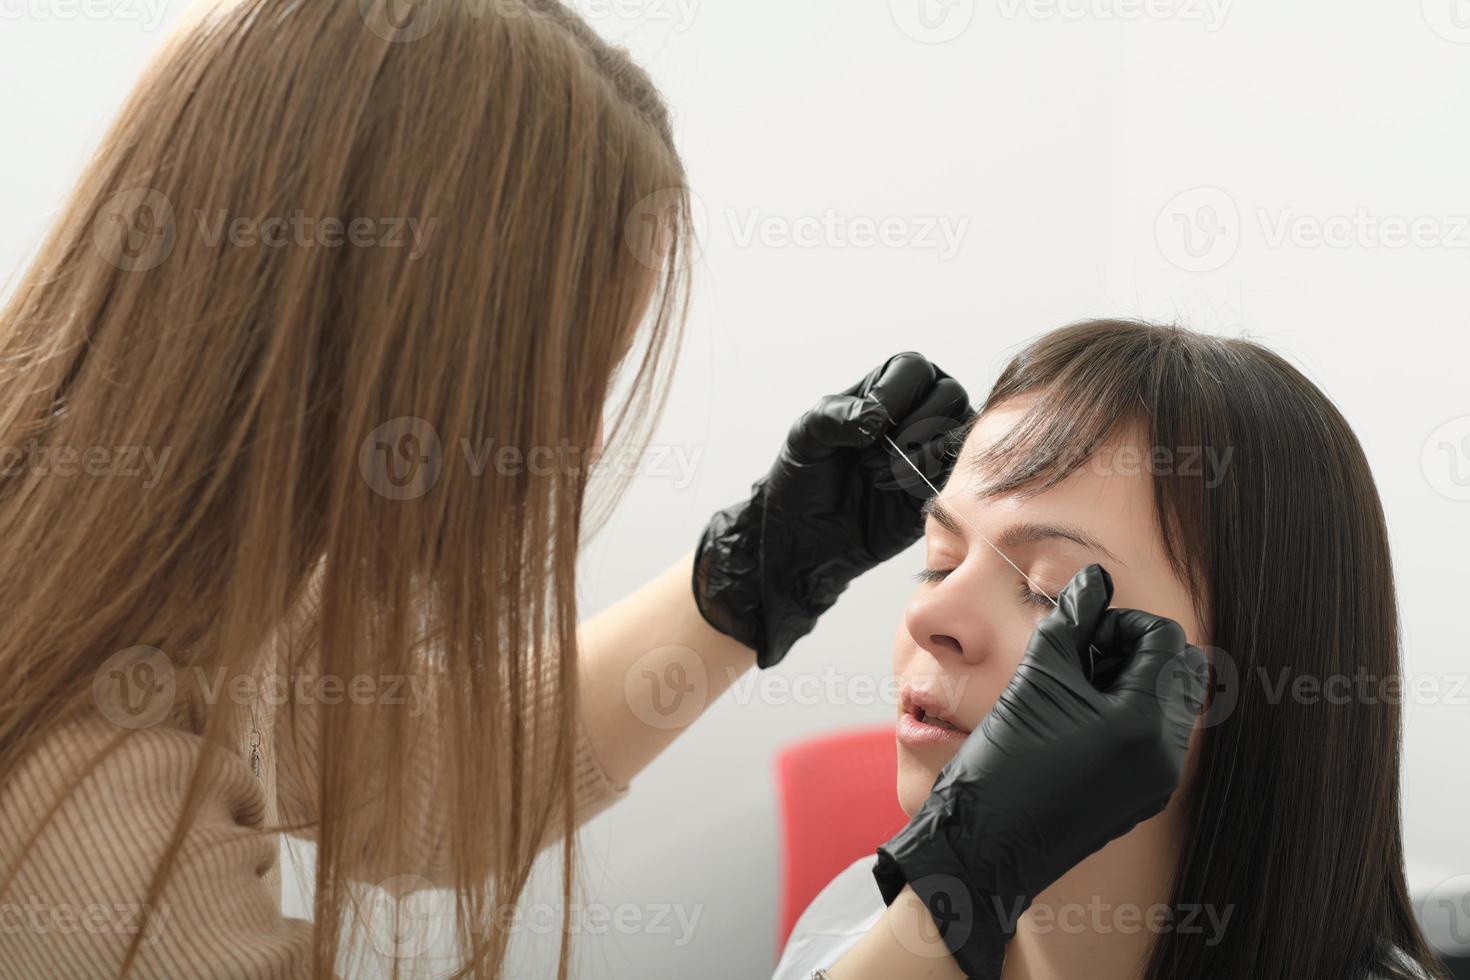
1027	595
1031	597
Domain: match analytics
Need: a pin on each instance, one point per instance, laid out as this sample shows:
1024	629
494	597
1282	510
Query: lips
927	718
936	721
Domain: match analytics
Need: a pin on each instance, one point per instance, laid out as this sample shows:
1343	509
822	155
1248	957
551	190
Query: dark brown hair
1294	808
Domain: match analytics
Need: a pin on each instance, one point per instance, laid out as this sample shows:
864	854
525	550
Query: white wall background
1075	143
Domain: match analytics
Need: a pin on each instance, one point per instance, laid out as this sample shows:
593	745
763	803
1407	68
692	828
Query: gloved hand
1057	770
830	508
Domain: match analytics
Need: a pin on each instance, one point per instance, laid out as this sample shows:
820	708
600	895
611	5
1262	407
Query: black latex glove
835	504
1057	770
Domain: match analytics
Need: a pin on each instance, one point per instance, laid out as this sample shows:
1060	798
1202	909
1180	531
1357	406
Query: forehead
994	424
1111	493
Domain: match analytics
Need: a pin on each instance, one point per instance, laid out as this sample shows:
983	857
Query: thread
1092	651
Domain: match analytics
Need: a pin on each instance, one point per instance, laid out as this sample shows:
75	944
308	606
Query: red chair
839	801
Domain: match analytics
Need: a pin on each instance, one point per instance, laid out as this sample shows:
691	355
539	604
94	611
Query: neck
1100	920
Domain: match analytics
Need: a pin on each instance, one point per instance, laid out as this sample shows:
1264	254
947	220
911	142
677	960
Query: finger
835	423
946	404
1066	632
929	439
899	384
934	461
944	409
1159	663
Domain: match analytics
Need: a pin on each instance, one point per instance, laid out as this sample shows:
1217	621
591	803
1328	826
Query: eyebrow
1022	533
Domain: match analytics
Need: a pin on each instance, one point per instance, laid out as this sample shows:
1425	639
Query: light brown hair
542	161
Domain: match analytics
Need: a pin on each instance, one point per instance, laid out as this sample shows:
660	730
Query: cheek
903	648
916	773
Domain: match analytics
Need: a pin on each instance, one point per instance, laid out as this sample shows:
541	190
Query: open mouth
927	719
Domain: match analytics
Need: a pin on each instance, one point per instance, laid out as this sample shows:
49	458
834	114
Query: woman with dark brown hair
1221	489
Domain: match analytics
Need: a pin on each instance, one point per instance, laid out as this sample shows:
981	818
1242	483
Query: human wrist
967	909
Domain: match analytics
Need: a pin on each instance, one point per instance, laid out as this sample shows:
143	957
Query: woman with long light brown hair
327	251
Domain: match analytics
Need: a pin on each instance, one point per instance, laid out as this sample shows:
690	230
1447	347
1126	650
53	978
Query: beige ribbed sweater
75	904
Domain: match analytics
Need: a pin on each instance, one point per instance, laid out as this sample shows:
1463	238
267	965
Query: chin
910	798
917	770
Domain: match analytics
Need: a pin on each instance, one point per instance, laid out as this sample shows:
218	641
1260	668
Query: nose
949	619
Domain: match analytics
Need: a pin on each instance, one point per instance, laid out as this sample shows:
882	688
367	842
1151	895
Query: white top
832	924
848	907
